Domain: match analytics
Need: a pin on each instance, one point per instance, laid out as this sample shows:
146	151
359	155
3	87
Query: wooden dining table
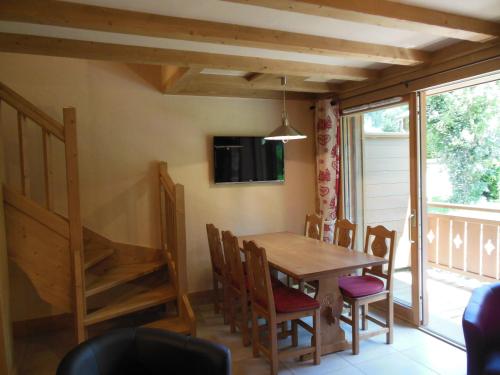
306	259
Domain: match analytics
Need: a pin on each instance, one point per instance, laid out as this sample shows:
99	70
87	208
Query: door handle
412	223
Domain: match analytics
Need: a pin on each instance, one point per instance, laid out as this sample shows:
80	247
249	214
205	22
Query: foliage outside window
387	121
463	134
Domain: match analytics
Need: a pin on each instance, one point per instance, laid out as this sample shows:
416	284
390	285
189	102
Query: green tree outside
463	133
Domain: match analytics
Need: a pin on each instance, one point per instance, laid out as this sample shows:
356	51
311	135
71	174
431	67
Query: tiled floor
413	352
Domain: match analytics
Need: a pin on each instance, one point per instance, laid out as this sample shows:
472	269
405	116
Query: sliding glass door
381	187
461	199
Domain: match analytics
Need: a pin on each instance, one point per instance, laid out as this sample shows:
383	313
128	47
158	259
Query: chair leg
364	321
225	303
390	320
355	328
216	293
317	338
301	286
244	322
295	336
273	348
284	330
232	312
255	335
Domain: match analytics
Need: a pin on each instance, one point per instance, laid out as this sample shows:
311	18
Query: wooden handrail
30	110
463	218
462	207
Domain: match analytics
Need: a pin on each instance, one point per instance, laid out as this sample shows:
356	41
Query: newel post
75	222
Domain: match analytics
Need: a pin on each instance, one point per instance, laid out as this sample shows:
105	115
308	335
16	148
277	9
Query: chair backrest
259	277
214	244
314	226
344	234
138	350
381	242
234	265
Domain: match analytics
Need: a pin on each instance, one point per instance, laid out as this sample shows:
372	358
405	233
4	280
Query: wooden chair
359	291
218	268
237	295
276	305
344	233
314	226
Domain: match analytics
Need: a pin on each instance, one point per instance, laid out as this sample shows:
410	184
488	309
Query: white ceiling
221	11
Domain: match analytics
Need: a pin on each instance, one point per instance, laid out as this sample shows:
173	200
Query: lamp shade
285	133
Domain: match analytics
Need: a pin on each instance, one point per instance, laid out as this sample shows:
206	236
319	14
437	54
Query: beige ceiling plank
232	82
173	78
390	14
81	16
147	55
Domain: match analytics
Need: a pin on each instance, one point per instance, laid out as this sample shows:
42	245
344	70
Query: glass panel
386	177
463	202
393	120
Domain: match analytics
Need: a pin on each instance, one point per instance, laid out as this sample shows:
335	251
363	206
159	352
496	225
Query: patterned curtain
327	120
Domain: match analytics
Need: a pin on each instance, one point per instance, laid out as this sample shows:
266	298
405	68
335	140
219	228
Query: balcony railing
464	238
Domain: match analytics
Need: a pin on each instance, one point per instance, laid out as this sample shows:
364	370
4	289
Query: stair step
175	324
121	274
94	255
127	304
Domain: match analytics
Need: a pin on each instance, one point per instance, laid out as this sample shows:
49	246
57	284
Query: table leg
330	298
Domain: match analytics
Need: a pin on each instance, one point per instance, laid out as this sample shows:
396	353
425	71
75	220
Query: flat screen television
248	159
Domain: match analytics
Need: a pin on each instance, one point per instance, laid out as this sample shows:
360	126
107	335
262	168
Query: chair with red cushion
360	291
237	285
218	268
276	304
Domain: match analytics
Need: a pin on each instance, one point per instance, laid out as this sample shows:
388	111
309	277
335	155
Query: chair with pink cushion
375	284
277	303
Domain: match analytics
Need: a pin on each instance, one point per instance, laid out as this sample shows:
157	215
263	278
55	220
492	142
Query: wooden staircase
78	270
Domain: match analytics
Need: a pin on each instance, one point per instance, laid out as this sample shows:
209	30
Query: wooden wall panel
43	255
489	249
473	235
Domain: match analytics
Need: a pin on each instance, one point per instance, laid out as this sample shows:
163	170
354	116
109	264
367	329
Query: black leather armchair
144	351
481	324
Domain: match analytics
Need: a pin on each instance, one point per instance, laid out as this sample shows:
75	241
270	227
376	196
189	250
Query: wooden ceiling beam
81	16
223	91
39	45
390	14
450	57
174	78
241	83
255	77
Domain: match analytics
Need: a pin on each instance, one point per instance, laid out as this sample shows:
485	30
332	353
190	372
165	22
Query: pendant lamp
284	132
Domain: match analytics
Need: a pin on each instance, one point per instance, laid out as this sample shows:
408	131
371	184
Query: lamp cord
283	83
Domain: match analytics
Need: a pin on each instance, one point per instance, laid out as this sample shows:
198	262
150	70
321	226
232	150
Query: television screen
248	159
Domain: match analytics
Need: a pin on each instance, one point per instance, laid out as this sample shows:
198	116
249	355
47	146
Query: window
387	121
